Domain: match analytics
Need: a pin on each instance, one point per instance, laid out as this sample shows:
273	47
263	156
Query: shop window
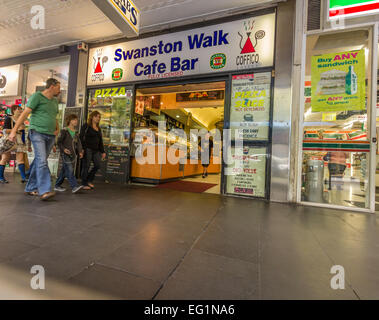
36	76
336	147
114	106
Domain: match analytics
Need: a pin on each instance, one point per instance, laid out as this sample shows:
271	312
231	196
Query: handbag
6	145
84	140
26	161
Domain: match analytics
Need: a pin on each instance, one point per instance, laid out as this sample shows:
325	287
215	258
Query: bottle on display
351	85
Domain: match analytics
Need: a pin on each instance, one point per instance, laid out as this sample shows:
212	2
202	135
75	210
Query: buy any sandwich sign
338	81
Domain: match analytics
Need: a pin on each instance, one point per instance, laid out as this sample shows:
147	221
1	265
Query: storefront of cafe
222	76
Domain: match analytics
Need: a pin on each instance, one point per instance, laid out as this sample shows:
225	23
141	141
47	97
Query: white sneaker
59	189
76	189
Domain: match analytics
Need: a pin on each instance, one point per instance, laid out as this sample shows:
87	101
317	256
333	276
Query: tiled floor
348	193
135	242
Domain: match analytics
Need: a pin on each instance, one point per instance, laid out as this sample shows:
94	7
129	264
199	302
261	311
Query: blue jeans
30	170
40	177
67	171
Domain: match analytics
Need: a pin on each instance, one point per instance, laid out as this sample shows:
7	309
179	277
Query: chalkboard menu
117	164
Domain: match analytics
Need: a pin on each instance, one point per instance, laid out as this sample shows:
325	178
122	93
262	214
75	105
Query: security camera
82	46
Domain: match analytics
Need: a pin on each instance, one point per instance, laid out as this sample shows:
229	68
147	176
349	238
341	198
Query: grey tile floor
138	242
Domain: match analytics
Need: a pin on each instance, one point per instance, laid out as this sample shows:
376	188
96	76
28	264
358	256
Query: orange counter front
161	172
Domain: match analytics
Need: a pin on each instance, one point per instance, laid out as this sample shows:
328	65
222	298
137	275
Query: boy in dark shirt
69	145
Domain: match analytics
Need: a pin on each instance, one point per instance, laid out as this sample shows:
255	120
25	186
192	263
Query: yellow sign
338	81
326	116
250	107
128	10
123	13
110	92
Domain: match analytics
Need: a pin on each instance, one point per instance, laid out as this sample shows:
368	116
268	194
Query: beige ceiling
331	43
71	21
220	85
208	117
201	117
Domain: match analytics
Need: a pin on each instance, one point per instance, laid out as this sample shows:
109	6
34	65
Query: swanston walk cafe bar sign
242	44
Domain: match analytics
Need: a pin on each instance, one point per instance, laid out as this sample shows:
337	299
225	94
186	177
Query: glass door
115	106
36	75
248	157
336	142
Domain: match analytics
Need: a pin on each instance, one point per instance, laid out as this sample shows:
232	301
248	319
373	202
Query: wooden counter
161	172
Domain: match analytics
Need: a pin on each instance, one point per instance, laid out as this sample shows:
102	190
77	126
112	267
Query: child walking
69	145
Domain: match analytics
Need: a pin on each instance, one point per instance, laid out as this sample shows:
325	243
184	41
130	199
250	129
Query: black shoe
24	180
4	181
203	176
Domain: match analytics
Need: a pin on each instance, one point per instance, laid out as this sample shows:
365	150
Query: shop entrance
155	134
338	115
168	125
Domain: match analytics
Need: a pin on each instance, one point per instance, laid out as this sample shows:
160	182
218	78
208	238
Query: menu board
246	172
250	107
117	164
200	96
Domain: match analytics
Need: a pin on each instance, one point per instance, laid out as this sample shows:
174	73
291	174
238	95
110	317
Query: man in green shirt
43	107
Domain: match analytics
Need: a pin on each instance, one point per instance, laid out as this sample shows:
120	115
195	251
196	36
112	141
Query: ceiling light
177	116
308	113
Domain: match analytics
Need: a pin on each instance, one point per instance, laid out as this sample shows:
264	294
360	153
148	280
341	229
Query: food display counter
156	173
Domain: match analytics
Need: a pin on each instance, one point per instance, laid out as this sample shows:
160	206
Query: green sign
340	8
117	74
344	3
338	81
218	61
